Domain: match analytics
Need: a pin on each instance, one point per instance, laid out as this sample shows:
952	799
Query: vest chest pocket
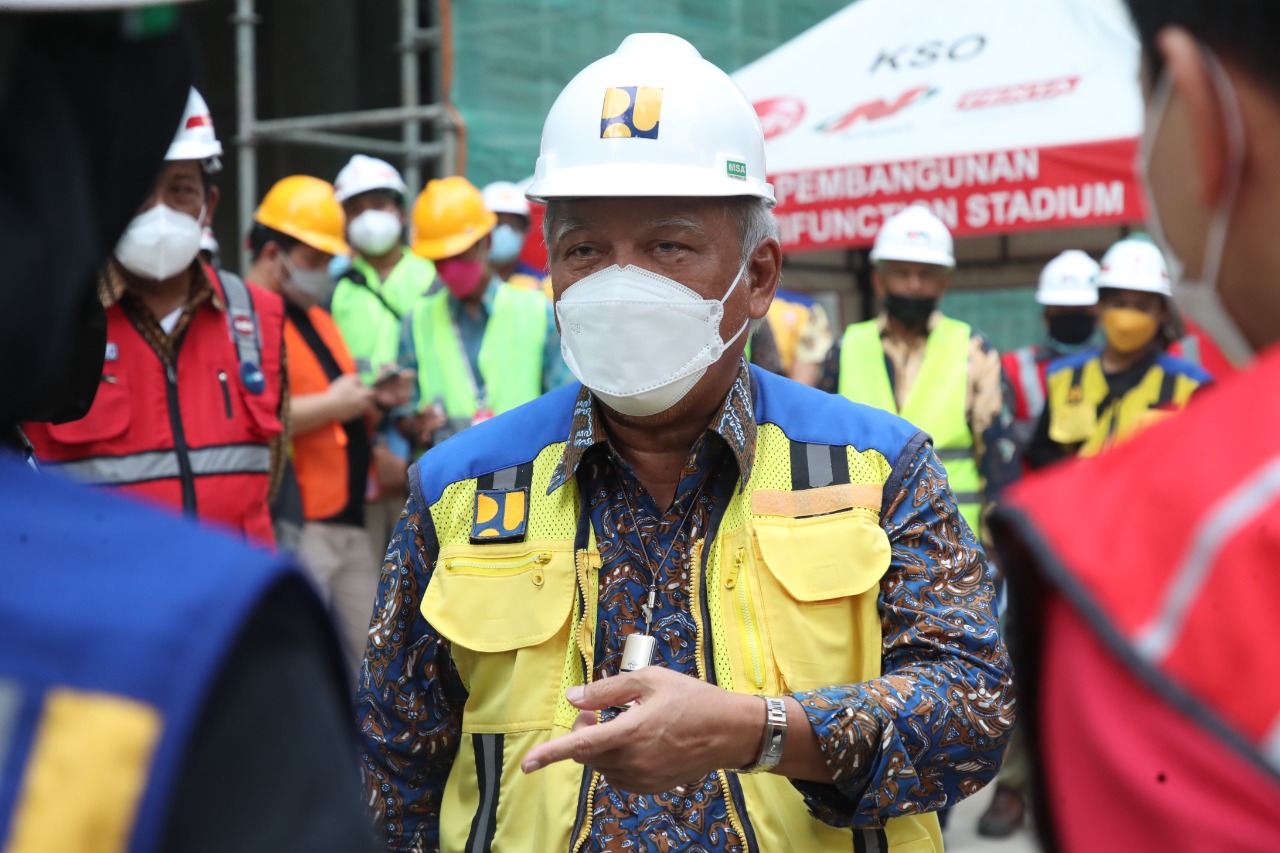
819	588
505	609
108	417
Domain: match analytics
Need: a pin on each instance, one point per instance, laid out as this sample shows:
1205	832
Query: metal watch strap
775	736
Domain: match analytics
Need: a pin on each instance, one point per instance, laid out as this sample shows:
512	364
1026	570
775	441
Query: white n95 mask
159	243
375	232
639	340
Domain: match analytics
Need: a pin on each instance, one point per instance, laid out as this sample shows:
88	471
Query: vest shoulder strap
357	278
246	335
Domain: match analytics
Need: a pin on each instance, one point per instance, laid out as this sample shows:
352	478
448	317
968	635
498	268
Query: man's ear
764	270
1185	63
210	205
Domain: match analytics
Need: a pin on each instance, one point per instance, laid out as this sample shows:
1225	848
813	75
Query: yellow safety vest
510	354
786	596
936	402
1086	417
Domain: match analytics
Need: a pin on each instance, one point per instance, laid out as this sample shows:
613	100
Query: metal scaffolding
331	130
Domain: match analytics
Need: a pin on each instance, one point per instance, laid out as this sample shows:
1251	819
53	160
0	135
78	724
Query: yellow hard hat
305	208
449	217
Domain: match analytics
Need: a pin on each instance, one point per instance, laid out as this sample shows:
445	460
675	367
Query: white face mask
159	243
1198	298
375	232
314	286
639	340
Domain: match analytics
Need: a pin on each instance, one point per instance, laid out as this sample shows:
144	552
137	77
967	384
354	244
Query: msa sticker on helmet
736	169
631	112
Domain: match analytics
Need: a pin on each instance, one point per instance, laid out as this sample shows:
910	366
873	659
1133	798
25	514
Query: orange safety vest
319	456
1166	547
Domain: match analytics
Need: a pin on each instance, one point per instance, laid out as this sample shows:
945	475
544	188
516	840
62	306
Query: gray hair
753	217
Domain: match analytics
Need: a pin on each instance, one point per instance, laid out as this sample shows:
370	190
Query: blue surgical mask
506	243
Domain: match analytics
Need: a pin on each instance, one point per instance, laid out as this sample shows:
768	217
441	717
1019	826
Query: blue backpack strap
242	321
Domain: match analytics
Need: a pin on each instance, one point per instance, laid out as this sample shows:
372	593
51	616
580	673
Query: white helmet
196	139
505	197
362	174
653	118
1068	280
914	234
1134	265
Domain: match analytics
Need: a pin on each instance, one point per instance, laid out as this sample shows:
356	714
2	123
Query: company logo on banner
999	192
877	109
1018	93
779	115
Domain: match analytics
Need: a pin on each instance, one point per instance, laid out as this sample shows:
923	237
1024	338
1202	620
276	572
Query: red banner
1002	192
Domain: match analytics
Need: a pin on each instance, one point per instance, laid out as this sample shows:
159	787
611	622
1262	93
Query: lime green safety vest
510	355
936	403
368	311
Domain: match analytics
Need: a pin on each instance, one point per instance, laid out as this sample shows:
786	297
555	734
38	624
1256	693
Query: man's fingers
611	692
580	745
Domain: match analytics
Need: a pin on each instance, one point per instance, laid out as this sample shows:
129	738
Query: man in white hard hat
369	304
189	409
1069	296
687	604
506	200
937	372
1105	394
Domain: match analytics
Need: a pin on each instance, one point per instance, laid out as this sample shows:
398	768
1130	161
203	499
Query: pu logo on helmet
631	112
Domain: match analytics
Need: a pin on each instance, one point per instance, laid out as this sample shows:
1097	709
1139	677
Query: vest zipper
226	392
493	568
586	800
185	475
735	807
738	582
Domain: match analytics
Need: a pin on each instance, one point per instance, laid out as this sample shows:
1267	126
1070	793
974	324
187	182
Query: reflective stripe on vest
510	354
519	636
935	403
1029	381
159	464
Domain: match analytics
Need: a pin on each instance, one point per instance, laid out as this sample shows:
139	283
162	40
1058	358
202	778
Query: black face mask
911	311
1072	329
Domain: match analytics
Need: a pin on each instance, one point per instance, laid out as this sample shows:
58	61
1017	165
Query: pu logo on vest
930	53
501	515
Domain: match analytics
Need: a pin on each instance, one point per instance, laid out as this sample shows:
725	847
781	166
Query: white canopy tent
1004	116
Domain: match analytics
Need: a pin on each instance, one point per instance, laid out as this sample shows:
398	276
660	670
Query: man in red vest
1069	297
1146	576
187	412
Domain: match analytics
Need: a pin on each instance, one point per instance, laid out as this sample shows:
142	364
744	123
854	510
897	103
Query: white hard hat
196	139
914	234
653	118
208	242
1134	265
362	174
1068	280
505	197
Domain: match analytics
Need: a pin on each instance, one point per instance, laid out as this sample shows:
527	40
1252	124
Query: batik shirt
929	731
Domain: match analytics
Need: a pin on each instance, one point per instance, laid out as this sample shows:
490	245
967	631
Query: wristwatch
775	736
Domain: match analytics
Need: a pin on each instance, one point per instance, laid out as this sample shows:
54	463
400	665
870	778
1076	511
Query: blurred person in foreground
297	229
1148	629
1105	394
149	670
686	605
189	409
382	282
1069	297
480	346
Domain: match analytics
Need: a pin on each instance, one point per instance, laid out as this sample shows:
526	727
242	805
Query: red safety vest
1166	547
193	435
1026	369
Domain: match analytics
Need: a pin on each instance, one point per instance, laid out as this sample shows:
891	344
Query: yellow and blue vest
115	620
785	599
936	403
1085	416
